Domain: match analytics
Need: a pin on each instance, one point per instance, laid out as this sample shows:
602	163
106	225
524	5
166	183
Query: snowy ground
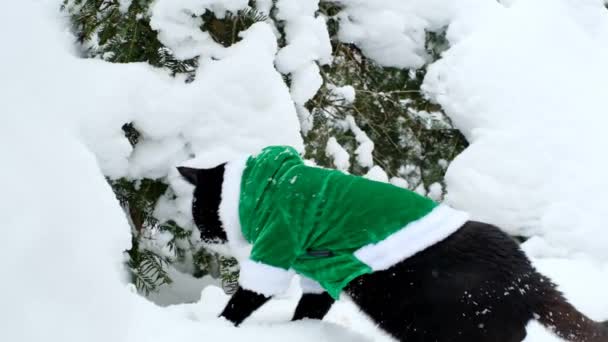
526	83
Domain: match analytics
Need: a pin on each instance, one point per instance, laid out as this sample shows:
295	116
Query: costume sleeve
268	269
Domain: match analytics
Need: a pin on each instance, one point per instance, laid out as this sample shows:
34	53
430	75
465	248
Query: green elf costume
282	216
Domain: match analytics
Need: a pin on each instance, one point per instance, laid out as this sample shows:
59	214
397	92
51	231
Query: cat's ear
190	174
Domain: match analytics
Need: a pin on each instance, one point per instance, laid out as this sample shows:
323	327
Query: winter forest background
495	107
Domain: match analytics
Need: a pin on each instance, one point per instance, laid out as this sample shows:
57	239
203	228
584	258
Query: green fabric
288	209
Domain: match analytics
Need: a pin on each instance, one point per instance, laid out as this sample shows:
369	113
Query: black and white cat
474	286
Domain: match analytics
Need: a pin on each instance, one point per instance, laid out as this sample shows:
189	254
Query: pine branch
148	270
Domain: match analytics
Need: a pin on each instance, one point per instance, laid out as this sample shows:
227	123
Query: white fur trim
229	208
416	236
264	279
310	286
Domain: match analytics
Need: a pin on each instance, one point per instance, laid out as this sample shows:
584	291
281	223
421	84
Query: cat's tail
554	312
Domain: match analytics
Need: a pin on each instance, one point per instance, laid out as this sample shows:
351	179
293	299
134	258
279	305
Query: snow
178	22
307	43
306	81
435	191
124	5
61	261
264	6
392	32
345	93
383	35
338	154
366	145
376	173
524	82
400	182
545	118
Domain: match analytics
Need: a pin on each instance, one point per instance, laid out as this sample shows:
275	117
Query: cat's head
206	201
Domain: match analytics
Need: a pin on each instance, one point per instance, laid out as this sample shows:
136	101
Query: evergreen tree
115	34
413	138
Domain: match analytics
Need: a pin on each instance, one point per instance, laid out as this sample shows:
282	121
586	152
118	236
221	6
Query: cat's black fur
475	286
313	306
206	201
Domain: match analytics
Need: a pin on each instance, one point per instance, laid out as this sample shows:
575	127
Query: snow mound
62	265
527	88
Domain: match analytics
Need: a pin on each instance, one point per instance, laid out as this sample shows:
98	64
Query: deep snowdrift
528	90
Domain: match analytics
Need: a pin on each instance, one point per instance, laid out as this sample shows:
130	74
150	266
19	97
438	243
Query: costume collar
229	207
